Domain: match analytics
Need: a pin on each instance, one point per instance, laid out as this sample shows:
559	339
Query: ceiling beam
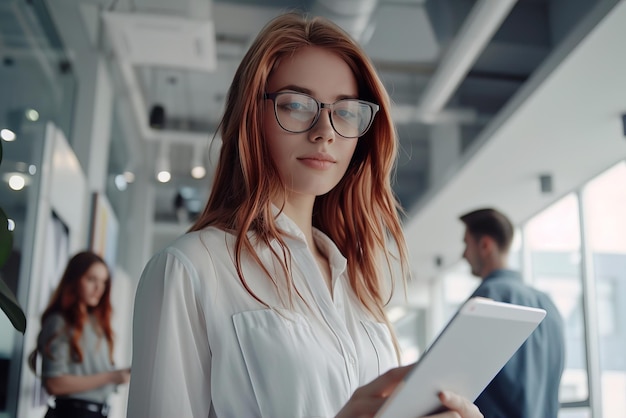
479	27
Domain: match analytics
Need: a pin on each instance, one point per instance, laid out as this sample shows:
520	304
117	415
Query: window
553	243
604	202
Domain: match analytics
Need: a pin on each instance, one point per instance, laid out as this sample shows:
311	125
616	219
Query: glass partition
37	85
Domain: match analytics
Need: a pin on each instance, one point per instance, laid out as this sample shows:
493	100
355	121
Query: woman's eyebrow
294	87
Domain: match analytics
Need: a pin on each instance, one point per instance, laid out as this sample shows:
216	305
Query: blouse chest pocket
382	343
291	372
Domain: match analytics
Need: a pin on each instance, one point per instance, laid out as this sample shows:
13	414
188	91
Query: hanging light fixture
163	173
157	115
198	170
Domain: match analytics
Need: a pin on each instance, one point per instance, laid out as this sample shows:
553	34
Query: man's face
472	253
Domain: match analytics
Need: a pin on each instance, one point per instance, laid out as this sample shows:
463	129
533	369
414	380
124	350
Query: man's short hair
492	223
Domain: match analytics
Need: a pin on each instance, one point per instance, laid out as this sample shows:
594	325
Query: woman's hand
367	400
120	376
458	406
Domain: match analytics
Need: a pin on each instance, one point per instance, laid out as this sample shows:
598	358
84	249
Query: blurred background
108	114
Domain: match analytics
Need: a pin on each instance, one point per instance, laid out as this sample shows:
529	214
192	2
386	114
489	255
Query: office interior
108	113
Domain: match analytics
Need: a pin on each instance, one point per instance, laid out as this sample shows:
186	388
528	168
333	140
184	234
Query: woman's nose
323	129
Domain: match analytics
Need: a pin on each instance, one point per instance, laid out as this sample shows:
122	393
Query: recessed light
32	115
198	172
17	182
7	134
164	176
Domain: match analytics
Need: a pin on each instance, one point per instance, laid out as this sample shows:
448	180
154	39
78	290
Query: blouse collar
294	236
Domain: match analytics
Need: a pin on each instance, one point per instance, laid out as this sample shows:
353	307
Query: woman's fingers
364	407
368	399
361	406
458	406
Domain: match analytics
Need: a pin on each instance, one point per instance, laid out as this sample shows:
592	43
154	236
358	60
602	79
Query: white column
91	133
136	229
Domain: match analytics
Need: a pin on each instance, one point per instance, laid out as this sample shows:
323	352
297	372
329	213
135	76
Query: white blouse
204	347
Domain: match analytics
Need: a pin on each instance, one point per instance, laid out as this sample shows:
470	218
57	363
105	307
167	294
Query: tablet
469	352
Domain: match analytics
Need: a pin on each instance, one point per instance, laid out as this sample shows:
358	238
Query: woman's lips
319	161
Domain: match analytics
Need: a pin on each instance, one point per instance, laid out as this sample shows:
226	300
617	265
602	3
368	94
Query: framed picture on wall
104	229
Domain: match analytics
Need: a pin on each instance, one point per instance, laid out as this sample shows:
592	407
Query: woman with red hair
273	304
76	341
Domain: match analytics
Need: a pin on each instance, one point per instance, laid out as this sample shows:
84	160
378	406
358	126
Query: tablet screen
469	352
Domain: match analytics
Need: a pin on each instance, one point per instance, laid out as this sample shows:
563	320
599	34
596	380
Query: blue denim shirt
528	385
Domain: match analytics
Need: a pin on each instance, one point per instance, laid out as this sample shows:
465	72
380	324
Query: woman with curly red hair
76	341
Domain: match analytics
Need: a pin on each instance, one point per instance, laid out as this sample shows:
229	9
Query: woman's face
93	284
313	162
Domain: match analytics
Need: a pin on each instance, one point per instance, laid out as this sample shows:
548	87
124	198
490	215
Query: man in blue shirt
528	385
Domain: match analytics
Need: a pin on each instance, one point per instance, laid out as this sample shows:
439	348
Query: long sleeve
171	367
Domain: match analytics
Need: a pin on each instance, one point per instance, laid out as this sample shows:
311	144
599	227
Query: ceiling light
32	169
17	182
7	134
163	163
164	176
120	182
198	170
32	115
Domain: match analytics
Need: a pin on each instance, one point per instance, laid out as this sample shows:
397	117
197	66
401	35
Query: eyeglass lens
298	113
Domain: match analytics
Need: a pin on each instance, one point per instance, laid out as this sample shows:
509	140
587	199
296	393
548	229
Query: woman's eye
295	106
345	114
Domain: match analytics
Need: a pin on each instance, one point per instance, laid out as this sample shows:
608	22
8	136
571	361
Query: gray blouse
54	345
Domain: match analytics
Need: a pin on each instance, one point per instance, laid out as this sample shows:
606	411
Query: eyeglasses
299	112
